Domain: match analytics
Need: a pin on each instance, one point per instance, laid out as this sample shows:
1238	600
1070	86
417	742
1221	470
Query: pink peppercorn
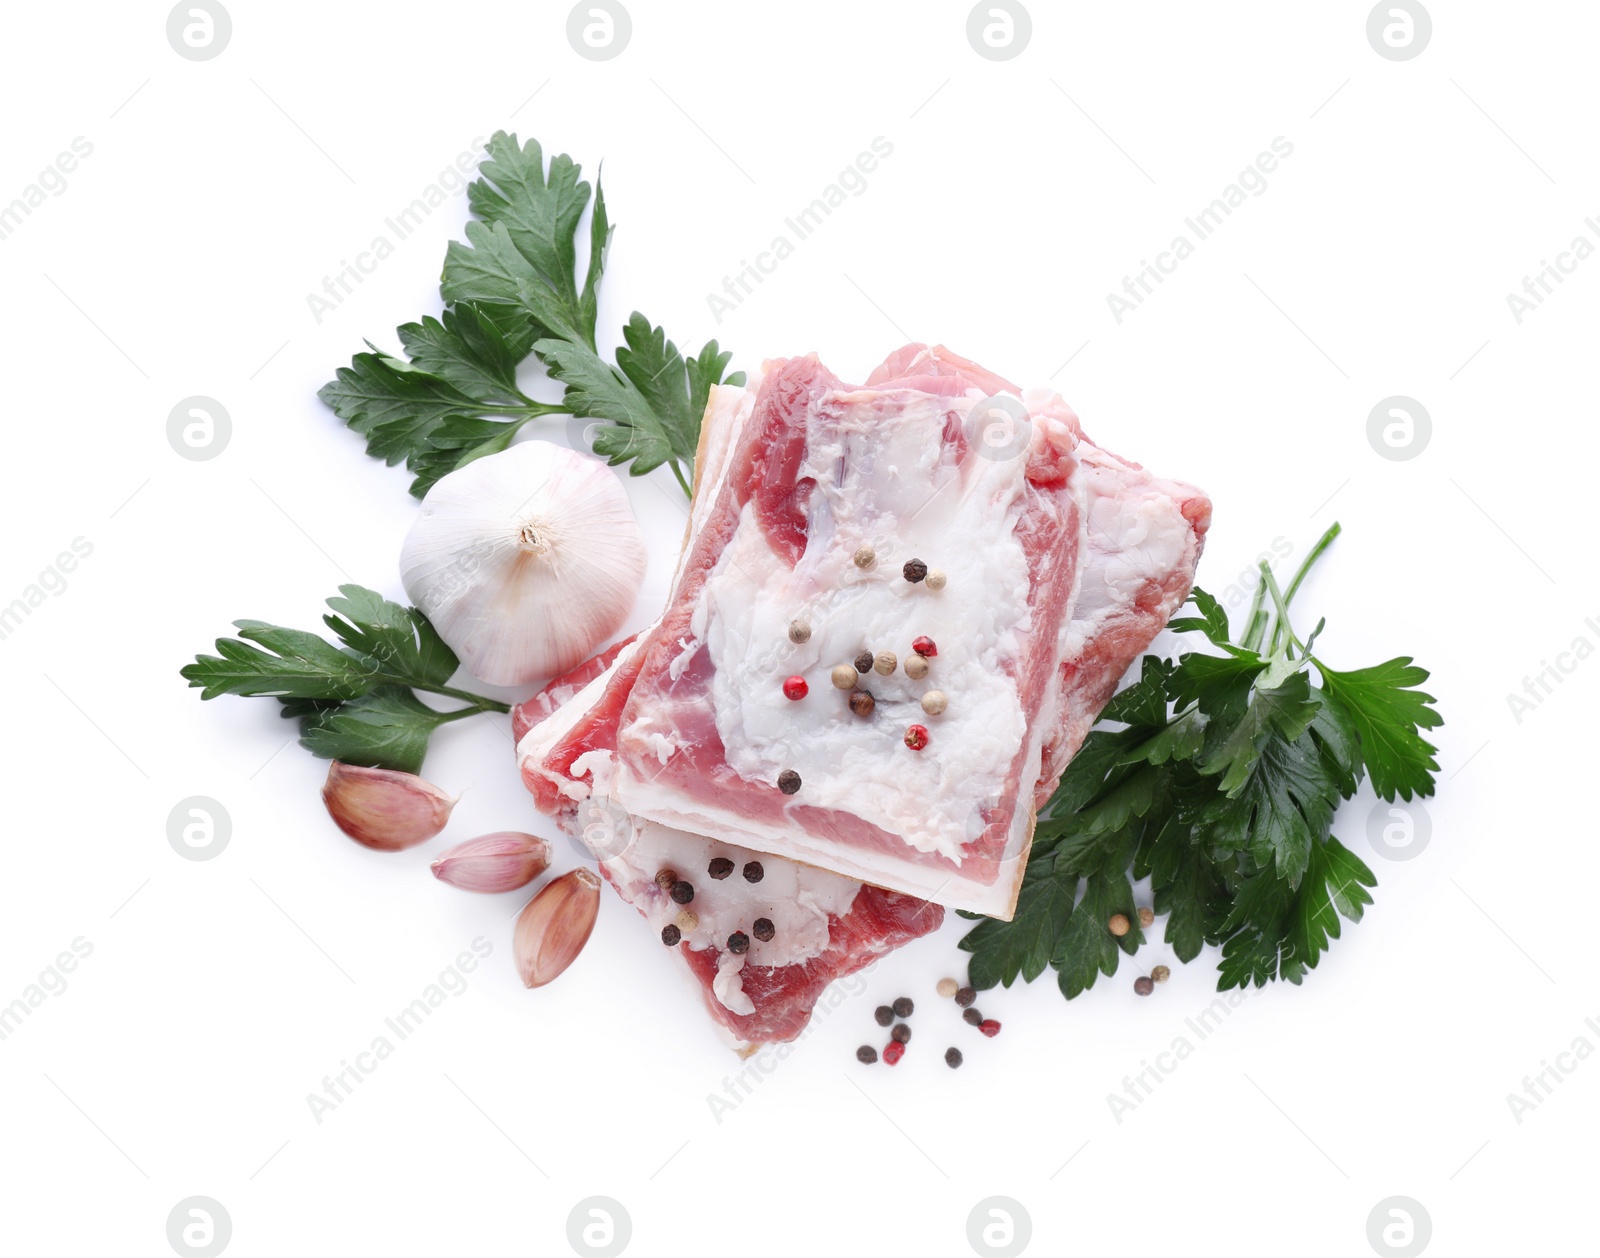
795	688
924	647
989	1027
916	737
893	1051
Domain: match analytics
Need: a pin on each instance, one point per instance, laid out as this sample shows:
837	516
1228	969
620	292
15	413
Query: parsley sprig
512	289
1218	777
356	701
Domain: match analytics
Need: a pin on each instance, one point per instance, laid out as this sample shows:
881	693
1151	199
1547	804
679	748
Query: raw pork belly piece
825	926
820	469
1143	538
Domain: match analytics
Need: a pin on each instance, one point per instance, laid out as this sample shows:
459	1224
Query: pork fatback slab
820	470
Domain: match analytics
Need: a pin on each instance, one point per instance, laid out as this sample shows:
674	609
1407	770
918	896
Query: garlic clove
384	809
497	862
553	927
525	561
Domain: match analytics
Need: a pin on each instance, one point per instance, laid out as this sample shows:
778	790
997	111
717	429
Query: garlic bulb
525	561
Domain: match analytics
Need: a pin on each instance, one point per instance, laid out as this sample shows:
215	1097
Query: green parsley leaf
1220	786
1387	714
355	701
400	639
513	288
651	402
1024	945
466	349
1285	802
1212	621
388	728
1283	712
1086	948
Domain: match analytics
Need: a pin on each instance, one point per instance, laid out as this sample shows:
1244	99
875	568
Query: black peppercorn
864	662
883	1014
971	1016
788	781
753	871
966	996
952	1057
866	1054
862	702
1144	986
670	935
915	570
682	892
720	868
763	929
901	1034
903	1007
738	943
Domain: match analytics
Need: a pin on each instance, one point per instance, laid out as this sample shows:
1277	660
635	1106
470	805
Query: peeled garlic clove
552	929
525	561
496	862
384	809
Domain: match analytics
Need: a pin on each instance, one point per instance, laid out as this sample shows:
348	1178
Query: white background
219	994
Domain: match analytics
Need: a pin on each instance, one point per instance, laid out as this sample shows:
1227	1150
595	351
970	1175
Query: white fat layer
796	899
883	479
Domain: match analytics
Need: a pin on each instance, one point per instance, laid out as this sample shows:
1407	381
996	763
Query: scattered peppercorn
788	781
738	943
903	1007
1147	917
924	646
883	1015
753	871
892	1052
799	631
665	878
866	1054
670	935
720	868
682	892
884	663
935	579
865	557
763	929
946	987
989	1027
862	702
901	1034
844	677
916	737
864	662
966	995
1161	974
934	703
972	1017
916	667
1144	986
1118	925
914	570
795	688
952	1057
687	920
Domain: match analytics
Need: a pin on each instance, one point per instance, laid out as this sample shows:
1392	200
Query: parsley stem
480	703
1281	629
1316	553
1256	621
678	472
